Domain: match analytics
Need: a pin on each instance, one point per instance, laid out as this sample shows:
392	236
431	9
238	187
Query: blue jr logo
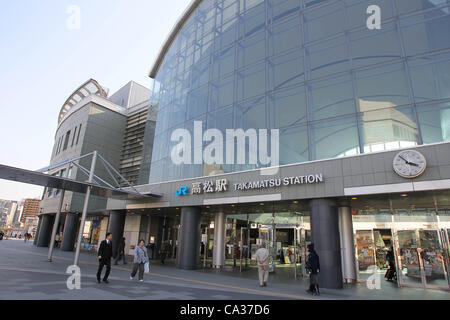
182	191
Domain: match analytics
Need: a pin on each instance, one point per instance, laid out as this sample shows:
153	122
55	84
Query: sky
45	55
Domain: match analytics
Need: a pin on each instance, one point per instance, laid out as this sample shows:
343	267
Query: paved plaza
26	274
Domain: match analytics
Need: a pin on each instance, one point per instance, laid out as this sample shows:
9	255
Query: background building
30	209
91	120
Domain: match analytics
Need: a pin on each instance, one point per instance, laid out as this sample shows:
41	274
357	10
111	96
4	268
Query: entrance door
421	259
244	249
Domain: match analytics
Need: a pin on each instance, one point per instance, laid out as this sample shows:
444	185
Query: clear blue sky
42	62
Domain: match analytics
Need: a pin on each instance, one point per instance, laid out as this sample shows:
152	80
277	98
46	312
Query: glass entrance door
244	253
421	259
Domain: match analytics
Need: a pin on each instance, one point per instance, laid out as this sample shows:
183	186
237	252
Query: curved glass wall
313	70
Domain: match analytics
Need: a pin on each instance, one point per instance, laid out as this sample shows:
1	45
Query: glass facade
313	70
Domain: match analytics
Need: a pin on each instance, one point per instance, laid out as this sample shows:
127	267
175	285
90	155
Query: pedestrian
390	273
25	237
29	236
56	240
163	250
1	235
140	259
104	257
313	268
120	252
262	258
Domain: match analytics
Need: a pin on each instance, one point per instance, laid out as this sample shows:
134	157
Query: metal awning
46	180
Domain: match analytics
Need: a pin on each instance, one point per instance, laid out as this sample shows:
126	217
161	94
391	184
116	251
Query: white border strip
232	200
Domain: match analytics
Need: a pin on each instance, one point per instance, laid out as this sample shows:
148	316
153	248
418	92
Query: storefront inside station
416	226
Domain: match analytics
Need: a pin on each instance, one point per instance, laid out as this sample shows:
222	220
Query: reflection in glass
386	129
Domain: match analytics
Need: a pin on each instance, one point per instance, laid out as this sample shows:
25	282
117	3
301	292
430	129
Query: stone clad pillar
326	239
219	239
347	244
36	234
45	231
190	237
116	227
70	232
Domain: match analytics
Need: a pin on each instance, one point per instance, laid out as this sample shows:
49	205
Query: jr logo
182	191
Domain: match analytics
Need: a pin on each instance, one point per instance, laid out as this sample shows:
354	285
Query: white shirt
262	255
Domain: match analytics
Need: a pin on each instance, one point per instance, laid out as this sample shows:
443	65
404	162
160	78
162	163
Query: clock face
409	163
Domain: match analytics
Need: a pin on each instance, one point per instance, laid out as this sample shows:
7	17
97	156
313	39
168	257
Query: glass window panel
230	11
177	114
251	114
287	107
369	47
426	32
357	11
388	129
325	21
293	144
223	62
407	6
434	121
328	57
334	138
248	4
285	70
281	8
384	86
222	92
331	98
197	102
430	76
252	49
221	119
251	81
252	21
284	36
200	73
226	34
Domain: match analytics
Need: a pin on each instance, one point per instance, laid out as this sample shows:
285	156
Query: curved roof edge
172	35
89	87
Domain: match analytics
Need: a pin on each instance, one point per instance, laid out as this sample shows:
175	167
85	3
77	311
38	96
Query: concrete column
219	240
347	244
326	239
70	232
116	227
45	231
36	235
190	237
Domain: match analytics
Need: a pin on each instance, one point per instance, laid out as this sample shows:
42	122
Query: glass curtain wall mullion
408	75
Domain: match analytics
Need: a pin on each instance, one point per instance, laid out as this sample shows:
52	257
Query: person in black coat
105	253
313	268
121	252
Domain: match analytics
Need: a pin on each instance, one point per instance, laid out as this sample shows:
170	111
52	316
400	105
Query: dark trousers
119	256
313	283
163	256
139	266
107	263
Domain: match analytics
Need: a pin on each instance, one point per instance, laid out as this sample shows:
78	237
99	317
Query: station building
363	119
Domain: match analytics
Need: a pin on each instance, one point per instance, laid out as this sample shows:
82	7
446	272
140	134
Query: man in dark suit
104	257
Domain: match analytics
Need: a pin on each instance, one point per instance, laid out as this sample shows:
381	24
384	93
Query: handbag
147	267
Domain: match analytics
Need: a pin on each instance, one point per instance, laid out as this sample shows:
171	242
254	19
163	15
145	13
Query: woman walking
140	259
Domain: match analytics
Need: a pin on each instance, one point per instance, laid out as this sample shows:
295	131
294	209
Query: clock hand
403	159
